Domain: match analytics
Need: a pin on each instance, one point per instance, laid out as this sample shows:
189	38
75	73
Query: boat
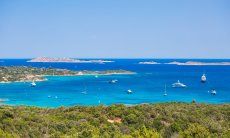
84	92
33	84
96	76
178	84
203	78
213	92
113	81
129	91
165	94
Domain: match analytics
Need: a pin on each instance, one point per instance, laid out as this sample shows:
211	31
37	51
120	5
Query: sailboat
203	78
165	94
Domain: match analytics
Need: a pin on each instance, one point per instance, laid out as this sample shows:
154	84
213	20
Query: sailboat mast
165	94
165	88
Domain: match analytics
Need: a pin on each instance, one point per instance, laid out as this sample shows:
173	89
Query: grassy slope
157	120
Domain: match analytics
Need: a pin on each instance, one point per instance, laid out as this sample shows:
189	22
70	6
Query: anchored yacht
113	81
178	84
203	78
213	92
33	84
129	91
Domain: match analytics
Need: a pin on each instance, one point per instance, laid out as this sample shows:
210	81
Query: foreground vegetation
24	73
147	121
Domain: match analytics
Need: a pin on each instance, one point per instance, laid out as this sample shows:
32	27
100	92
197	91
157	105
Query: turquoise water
147	85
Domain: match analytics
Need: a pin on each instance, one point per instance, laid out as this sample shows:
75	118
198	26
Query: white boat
165	94
129	91
113	81
84	92
203	78
213	92
178	84
33	84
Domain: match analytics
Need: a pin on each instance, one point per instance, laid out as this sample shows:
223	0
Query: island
164	120
149	62
196	63
67	60
28	74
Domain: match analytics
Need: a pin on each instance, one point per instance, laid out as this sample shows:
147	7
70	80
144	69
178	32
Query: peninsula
26	74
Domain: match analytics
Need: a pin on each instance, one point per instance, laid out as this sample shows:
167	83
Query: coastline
28	74
70	75
2	102
27	81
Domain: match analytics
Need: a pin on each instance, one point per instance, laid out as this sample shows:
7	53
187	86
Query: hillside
156	120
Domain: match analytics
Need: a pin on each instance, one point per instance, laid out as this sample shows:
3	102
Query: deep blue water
147	85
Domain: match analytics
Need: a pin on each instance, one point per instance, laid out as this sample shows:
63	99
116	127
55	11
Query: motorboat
113	81
178	84
84	92
33	84
129	91
213	92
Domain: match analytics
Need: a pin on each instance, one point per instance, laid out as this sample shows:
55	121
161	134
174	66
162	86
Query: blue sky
115	28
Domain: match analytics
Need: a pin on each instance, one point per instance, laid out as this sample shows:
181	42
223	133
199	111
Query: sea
147	84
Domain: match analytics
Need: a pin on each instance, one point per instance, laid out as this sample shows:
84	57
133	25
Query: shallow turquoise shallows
148	85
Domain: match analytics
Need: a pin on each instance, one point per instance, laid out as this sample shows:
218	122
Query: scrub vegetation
163	120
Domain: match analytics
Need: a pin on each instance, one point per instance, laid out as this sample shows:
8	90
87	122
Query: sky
115	28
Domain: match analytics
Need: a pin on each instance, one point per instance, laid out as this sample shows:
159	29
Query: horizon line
116	58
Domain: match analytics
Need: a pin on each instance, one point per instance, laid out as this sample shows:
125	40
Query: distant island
149	62
27	74
195	63
188	63
67	60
